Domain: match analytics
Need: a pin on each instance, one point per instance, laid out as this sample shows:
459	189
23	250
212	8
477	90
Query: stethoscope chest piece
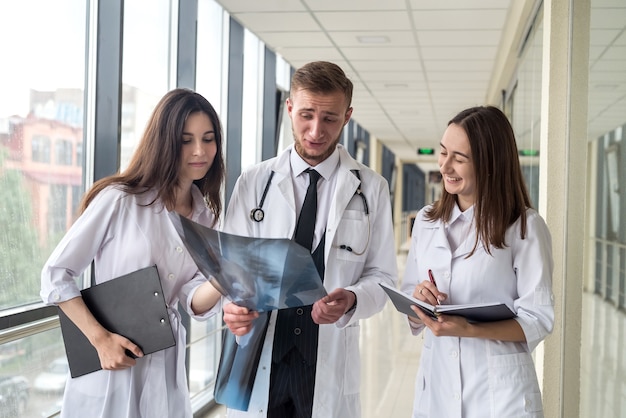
257	214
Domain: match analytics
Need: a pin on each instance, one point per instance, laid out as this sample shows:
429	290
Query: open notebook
475	312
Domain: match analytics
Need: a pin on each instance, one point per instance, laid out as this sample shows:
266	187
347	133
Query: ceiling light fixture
396	86
373	39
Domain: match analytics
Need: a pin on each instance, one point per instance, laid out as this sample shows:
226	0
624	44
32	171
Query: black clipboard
131	305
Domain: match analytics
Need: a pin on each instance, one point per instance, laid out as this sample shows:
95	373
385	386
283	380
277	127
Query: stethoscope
257	214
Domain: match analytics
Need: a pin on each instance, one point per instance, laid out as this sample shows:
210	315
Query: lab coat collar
325	168
467	245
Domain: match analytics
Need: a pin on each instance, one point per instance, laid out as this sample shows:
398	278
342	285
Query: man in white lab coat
310	363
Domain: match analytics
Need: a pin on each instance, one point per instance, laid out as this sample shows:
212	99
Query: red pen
432	280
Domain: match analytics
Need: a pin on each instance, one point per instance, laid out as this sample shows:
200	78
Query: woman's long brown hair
501	194
156	162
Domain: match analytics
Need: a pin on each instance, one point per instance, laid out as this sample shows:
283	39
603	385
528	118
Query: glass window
57	213
211	81
40	149
283	83
204	354
252	96
41	99
283	73
603	384
63	152
145	69
33	371
210	77
526	107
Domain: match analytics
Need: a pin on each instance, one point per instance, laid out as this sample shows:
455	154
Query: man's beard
308	157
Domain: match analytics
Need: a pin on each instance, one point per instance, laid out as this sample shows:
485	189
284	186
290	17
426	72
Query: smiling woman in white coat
124	226
481	242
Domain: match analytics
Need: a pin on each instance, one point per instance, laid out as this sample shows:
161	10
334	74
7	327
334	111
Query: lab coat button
297	331
299	311
454	354
56	296
446	274
179	250
171	276
457	397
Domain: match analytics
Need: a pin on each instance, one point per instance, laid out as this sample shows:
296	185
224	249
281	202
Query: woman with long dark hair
124	226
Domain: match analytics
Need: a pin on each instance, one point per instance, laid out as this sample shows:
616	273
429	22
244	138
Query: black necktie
306	222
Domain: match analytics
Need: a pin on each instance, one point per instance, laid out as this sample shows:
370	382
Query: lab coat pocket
352	361
513	386
352	237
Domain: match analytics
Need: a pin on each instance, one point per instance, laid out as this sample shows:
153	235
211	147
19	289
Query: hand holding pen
429	292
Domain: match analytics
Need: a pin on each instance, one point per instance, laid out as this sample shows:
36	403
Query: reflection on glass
603	350
204	354
252	73
41	134
526	107
210	80
33	372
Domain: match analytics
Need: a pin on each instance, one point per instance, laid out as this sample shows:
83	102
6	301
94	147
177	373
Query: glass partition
524	107
603	350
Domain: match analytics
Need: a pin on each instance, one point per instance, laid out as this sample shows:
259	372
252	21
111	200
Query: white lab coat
338	362
124	235
474	377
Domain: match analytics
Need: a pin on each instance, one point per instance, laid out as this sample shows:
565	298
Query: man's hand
332	306
239	319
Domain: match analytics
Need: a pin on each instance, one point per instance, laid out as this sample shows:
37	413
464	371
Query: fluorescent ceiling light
373	39
396	86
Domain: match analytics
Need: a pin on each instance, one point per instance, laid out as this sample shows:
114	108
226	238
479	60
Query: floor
603	359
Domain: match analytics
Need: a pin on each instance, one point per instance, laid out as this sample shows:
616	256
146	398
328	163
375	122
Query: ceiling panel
455	64
458	37
277	22
357	38
608	18
254	6
465	53
459	4
467	19
312	54
350	5
357	20
296	39
383	65
380	53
